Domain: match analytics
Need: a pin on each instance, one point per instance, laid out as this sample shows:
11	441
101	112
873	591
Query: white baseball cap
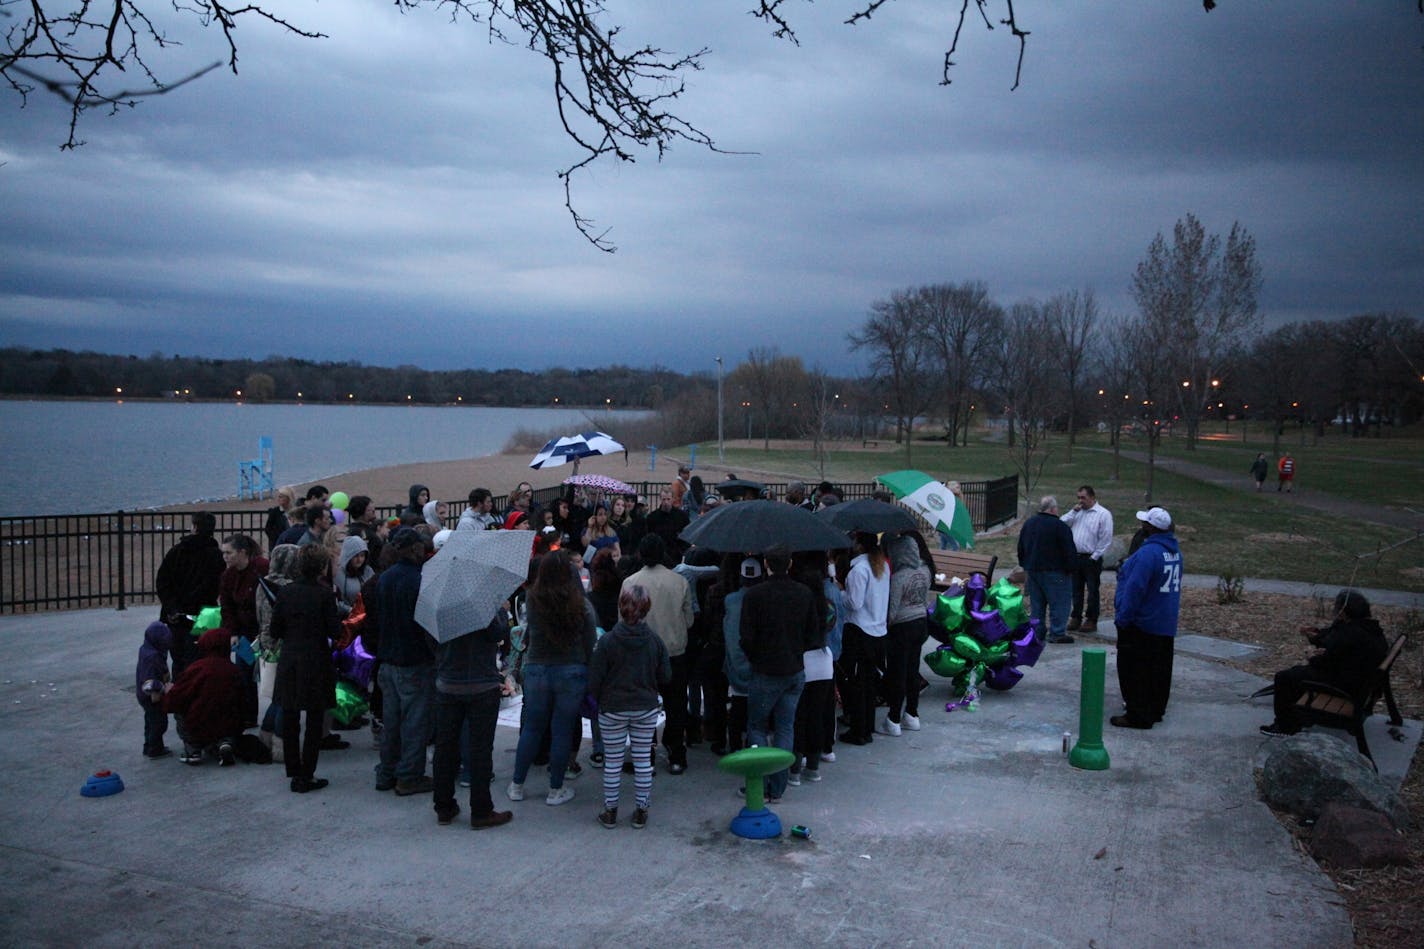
1157	517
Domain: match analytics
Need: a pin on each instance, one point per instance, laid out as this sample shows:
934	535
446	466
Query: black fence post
122	560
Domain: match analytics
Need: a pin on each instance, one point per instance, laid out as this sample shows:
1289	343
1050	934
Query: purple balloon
1003	678
1027	647
338	515
989	625
356	663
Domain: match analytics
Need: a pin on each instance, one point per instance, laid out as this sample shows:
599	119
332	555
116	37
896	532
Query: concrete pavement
973	831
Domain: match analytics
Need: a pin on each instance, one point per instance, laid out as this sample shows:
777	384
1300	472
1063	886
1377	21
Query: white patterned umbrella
600	482
463	585
559	450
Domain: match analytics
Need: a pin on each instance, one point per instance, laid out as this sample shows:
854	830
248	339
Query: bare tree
1115	372
1206	294
1023	375
815	416
1071	319
960	323
899	359
1149	343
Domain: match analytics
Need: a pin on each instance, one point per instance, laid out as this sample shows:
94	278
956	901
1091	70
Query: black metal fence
81	561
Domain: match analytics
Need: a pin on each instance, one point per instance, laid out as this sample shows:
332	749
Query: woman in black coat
304	618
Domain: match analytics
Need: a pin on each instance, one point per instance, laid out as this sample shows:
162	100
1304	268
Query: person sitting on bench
1351	649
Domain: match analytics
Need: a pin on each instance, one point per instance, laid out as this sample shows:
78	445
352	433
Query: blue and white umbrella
574	447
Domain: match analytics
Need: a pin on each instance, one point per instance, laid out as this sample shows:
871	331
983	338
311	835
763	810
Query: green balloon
960	683
946	662
998	652
949	612
339	500
209	617
1009	600
968	647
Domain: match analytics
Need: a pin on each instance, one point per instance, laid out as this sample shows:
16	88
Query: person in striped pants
628	664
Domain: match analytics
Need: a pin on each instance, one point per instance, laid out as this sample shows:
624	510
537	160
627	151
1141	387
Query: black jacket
188	578
469	664
1046	543
779	623
304	620
627	665
1353	650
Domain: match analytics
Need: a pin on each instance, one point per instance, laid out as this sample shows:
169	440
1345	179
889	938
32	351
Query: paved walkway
974	831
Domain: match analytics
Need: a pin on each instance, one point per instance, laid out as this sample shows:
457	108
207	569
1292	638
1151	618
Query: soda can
802	831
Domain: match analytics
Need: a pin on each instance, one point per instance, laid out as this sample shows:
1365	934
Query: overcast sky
390	195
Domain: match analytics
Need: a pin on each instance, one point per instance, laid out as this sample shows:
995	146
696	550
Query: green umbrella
934	502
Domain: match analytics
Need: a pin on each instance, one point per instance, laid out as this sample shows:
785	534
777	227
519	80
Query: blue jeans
407	692
1051	591
771	700
552	696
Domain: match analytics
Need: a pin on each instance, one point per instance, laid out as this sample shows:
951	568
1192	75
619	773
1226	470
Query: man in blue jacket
1149	597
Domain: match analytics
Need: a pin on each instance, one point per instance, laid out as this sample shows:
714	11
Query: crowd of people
619	622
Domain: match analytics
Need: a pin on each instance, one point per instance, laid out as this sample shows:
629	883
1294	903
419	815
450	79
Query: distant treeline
62	373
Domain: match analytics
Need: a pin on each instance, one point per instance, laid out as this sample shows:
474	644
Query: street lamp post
721	441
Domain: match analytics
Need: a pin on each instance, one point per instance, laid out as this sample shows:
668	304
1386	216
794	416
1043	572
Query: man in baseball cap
1149	597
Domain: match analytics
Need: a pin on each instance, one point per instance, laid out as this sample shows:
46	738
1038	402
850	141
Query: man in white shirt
1092	526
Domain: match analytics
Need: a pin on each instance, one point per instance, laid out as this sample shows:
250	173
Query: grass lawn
1221	530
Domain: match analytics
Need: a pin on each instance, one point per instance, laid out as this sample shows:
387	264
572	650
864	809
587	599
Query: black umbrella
734	489
754	527
870	516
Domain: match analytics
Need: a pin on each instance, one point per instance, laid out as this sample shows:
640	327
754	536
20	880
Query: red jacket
208	693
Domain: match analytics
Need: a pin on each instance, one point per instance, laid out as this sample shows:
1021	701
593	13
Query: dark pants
674	693
479	713
1144	673
299	755
862	657
1087	579
737	723
812	736
1290	686
902	666
155	726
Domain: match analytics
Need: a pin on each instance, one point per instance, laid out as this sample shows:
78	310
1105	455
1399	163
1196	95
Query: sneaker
910	722
793	778
492	819
829	756
444	815
515	792
1091	626
559	796
385	784
608	817
158	753
334	742
640	818
573	771
596	758
1074	625
226	757
191	756
305	785
677	767
1122	721
772	799
812	774
1277	730
887	727
849	739
465	781
420	785
1063	640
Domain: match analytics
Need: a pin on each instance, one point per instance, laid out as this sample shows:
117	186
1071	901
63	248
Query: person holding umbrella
560	631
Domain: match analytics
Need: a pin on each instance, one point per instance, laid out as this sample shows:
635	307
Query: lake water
86	457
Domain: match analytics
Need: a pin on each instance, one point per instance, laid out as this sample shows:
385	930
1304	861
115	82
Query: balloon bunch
987	636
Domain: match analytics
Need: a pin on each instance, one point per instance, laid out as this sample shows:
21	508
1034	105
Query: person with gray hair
1047	554
796	495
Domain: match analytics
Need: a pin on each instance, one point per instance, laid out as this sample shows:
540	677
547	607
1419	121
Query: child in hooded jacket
149	678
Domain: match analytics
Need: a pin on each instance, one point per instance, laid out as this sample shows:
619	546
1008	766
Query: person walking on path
1149	598
1092	526
1259	469
1047	554
304	622
628	665
1285	473
407	674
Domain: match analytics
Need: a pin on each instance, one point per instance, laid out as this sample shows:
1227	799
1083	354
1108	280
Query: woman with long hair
867	602
598	527
560	634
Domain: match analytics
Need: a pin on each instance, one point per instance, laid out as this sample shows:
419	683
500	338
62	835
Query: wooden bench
960	563
1332	707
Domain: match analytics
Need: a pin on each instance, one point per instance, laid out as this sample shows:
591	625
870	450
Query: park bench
961	563
1332	707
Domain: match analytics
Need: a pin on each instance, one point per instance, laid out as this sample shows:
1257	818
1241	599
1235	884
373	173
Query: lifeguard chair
255	478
